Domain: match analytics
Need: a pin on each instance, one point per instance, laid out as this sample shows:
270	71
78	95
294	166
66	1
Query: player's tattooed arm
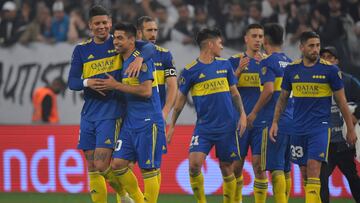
236	98
179	105
279	108
237	101
281	105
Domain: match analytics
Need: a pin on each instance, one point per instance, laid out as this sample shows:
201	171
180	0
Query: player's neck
309	63
98	40
128	53
273	49
206	57
251	53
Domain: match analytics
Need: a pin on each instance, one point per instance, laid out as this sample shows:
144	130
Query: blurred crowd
51	21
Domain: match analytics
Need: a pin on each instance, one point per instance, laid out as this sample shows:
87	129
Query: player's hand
134	67
242	124
107	84
244	62
258	56
250	119
351	136
169	133
273	132
94	83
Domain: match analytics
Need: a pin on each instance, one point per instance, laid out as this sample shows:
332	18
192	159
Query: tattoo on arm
102	156
281	105
238	103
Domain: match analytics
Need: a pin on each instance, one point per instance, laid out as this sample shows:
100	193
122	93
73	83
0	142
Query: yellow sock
197	186
312	190
260	190
288	185
98	190
151	186
229	187
114	183
279	186
127	178
238	191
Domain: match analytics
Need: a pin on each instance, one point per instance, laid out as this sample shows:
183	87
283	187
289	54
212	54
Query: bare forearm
170	93
141	90
280	106
179	105
238	103
264	98
344	109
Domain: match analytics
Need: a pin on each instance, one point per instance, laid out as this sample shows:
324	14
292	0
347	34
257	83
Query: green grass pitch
84	198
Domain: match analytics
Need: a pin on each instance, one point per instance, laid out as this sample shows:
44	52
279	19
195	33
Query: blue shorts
144	145
313	145
227	149
276	155
98	134
251	137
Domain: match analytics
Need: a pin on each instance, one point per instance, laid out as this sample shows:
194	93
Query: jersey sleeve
76	70
185	82
266	73
146	72
335	80
230	74
286	83
234	62
169	65
147	49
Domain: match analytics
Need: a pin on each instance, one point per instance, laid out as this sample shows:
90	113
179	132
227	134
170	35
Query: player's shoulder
85	42
191	65
325	62
161	49
295	62
238	55
220	59
264	56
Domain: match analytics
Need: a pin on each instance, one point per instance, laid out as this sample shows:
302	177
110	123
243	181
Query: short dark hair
143	19
274	32
308	35
206	34
128	28
253	26
98	10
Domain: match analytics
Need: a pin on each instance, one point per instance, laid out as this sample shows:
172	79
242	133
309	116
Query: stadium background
43	159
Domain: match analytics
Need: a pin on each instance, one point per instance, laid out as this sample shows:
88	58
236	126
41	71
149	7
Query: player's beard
312	57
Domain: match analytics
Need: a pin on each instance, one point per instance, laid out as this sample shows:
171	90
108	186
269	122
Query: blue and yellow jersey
312	89
91	60
209	86
165	67
273	71
248	84
140	110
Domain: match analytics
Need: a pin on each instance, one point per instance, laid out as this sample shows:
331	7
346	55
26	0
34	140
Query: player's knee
101	166
117	164
226	168
238	168
313	169
194	169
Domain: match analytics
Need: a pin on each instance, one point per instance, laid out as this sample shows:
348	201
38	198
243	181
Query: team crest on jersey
182	80
263	70
144	67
